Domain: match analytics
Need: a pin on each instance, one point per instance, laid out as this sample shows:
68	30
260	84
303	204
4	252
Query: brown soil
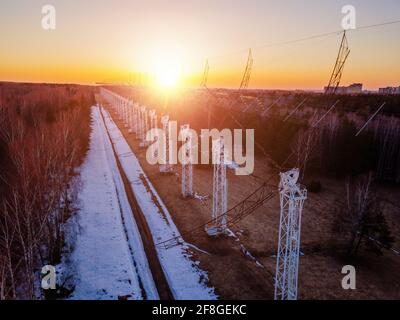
236	276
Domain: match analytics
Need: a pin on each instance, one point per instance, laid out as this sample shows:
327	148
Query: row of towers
140	120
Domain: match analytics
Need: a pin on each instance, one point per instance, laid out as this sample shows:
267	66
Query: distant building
354	88
389	90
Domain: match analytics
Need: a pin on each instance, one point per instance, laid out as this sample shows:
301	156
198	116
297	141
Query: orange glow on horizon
166	48
167	76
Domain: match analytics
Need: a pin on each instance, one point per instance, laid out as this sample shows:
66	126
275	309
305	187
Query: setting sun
168	76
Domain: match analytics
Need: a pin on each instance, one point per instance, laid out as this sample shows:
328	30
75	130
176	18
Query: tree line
44	131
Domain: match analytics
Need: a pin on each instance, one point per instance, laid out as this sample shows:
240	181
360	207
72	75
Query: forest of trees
44	131
292	137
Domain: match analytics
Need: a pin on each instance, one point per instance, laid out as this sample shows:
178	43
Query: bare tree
360	217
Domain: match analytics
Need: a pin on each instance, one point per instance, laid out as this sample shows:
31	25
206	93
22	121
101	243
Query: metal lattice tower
337	72
143	126
122	109
146	126
166	167
247	72
131	116
136	110
153	121
230	103
138	122
220	190
126	113
205	75
153	125
187	166
292	197
119	107
235	214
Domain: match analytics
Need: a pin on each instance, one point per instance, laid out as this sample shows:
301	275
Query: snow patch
186	280
107	259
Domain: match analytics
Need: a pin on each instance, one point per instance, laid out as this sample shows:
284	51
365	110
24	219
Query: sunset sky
109	40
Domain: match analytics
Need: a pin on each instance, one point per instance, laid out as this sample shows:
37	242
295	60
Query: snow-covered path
186	280
108	256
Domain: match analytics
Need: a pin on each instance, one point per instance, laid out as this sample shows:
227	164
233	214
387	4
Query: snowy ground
185	278
107	259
